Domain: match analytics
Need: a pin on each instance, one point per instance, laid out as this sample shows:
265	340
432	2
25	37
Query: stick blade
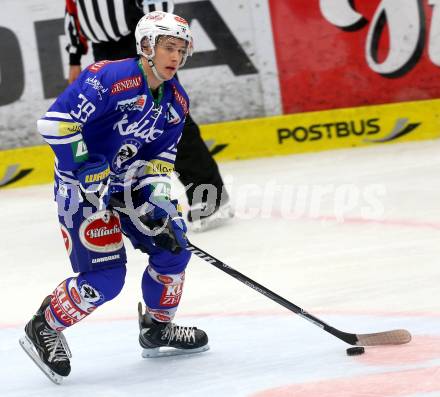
394	337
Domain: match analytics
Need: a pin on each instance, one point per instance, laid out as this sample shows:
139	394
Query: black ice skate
167	339
46	347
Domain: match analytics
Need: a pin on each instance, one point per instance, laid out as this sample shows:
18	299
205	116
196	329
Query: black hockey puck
355	351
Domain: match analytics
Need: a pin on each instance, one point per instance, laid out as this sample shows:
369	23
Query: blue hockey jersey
110	110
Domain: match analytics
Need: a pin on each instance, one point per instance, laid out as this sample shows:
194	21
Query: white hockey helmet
158	23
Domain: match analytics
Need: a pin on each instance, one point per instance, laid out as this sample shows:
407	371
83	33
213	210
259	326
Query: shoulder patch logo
172	116
127	151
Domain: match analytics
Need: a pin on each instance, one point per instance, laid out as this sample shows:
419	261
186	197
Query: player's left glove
166	220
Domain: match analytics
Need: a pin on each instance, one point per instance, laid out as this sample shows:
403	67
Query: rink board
325	130
26	166
270	136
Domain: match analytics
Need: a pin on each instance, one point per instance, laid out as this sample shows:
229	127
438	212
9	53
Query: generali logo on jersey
101	232
126	84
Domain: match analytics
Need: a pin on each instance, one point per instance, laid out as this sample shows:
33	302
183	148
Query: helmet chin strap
155	72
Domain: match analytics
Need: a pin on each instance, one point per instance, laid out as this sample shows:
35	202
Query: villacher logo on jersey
101	232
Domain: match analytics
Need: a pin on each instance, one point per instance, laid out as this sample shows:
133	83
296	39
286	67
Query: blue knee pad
102	285
162	284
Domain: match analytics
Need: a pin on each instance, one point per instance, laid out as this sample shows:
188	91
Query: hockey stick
392	337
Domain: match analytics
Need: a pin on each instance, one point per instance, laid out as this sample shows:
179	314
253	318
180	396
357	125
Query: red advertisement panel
345	53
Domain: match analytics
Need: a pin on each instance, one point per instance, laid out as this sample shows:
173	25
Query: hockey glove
168	226
93	177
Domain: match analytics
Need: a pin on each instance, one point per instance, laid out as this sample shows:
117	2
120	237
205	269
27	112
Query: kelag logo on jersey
143	127
136	103
127	151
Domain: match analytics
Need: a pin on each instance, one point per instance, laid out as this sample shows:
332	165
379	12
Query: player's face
169	55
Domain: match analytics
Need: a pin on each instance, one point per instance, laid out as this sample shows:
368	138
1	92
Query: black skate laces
173	332
57	345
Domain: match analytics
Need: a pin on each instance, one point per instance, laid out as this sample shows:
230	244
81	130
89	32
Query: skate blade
170	351
28	347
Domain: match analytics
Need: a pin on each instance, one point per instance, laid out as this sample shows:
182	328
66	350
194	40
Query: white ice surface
360	265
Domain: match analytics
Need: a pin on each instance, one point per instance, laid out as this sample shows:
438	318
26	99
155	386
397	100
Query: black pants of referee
194	163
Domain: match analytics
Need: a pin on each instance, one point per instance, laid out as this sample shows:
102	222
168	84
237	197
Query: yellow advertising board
324	130
270	136
26	166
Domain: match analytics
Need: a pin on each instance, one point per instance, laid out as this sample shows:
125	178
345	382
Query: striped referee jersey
100	21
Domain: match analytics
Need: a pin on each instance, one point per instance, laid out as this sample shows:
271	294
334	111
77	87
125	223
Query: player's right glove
93	177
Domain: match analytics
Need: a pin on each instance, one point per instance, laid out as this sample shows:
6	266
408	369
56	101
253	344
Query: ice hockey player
114	133
196	168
